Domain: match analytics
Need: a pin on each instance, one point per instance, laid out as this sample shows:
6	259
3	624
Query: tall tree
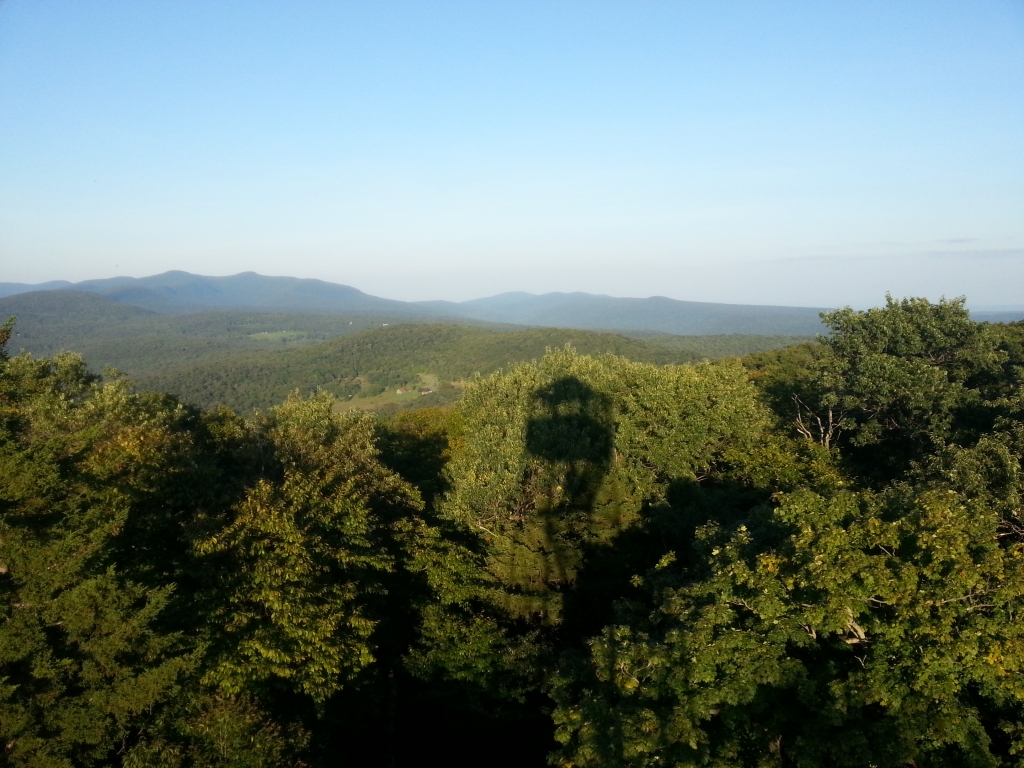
304	554
82	653
897	382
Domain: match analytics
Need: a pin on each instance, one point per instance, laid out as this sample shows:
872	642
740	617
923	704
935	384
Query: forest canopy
811	556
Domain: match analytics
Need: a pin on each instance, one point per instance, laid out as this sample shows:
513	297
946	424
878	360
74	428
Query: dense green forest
812	556
250	360
139	341
369	362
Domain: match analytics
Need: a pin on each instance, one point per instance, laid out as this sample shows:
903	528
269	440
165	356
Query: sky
802	153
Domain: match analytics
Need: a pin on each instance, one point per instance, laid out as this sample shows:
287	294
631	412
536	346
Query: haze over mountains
179	292
182	292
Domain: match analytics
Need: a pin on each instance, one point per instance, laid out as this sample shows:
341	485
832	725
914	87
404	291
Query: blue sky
756	152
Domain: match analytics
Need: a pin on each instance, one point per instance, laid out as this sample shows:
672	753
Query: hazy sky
816	153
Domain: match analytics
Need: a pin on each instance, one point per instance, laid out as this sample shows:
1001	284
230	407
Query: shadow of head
572	424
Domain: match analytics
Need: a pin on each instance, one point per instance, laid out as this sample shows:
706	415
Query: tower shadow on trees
572	434
598	532
569	438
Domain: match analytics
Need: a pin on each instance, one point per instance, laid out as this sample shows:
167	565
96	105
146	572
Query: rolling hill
369	363
182	292
136	340
657	313
248	359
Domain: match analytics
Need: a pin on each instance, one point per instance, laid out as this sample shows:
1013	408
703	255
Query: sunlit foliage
810	557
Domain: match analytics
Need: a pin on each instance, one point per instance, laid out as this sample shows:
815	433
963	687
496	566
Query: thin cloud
974	253
964	254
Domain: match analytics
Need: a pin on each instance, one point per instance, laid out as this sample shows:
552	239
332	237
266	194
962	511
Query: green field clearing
278	336
412	396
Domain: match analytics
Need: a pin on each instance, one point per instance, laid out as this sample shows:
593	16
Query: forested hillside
371	362
178	291
248	360
813	557
136	340
182	292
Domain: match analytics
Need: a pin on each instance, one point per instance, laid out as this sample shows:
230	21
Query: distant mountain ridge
656	313
182	292
12	289
179	292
